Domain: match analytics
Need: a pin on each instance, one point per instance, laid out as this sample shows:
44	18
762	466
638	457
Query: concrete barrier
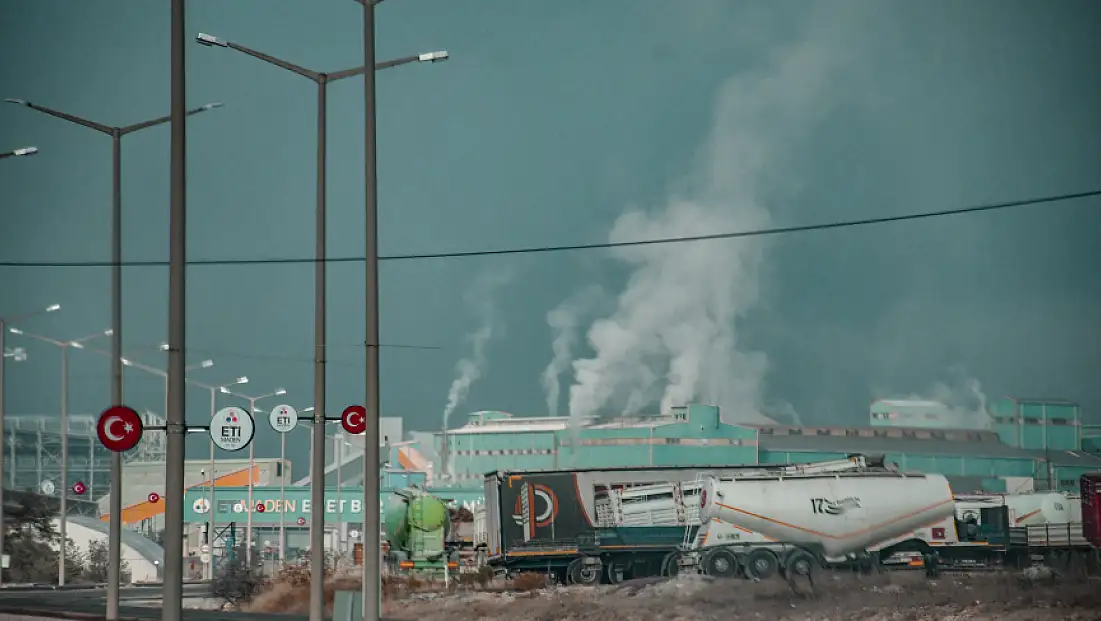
347	606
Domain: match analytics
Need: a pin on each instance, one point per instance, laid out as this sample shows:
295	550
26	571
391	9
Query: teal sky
550	121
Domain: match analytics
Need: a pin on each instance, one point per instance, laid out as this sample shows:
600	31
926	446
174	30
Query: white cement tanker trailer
814	519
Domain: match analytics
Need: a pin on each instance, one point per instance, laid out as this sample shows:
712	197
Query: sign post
283	419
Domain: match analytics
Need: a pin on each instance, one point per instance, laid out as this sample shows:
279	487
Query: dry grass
893	596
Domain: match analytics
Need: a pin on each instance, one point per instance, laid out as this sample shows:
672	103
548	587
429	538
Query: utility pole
176	422
372	592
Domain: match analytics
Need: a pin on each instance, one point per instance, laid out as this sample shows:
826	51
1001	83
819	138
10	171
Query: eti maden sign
231	504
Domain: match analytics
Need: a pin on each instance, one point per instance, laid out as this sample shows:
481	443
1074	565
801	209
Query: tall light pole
372	585
21	152
214	389
322	80
251	456
116	133
283	489
3	356
63	487
176	417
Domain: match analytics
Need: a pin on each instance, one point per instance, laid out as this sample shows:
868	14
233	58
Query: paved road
91	603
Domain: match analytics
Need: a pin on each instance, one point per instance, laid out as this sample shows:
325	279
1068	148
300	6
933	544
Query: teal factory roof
981	444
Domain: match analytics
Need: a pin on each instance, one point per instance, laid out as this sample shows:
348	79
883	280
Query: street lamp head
108	332
76	344
434	57
280	391
20	102
212	105
241	380
223	389
309	409
210	40
15	331
206	364
53	307
25	151
163	347
126	361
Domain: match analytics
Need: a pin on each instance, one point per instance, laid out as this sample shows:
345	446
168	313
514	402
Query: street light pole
116	133
251	457
317	462
21	152
372	586
176	416
63	484
208	569
3	331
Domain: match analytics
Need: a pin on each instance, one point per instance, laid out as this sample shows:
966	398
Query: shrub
236	581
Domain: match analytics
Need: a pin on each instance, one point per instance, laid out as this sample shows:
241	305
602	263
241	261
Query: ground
900	595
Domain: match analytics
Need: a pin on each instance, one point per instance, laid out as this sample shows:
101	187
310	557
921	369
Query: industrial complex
1029	445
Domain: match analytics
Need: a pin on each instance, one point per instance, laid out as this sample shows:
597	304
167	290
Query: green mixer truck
417	527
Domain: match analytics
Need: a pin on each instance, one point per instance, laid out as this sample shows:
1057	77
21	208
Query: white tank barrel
1037	509
841	514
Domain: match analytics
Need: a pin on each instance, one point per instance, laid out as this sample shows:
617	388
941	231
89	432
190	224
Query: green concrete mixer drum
417	524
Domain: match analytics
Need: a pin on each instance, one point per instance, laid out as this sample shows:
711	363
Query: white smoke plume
963	400
565	321
673	336
470	368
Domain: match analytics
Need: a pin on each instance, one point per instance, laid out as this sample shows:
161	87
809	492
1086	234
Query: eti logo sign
232	429
283	418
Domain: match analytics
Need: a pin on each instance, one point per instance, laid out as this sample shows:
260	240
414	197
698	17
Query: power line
598	246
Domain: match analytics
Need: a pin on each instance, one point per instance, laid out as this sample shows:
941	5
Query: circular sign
46	487
204	558
260	507
154	497
354	419
301	521
205	548
283	418
201	505
79	488
354	534
119	428
231	429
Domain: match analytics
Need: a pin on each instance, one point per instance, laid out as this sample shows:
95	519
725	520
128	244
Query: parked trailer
584	526
1090	485
813	519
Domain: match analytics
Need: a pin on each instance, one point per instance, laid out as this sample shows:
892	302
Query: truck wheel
798	563
616	572
721	563
669	566
761	564
579	573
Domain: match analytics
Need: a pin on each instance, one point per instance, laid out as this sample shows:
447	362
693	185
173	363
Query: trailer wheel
798	563
761	564
670	566
579	573
721	563
616	572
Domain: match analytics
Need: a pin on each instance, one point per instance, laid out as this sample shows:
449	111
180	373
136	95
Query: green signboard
231	504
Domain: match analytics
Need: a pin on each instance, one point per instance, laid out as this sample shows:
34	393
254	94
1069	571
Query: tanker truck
810	519
417	526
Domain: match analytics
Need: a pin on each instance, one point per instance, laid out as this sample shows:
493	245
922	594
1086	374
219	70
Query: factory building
1031	444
